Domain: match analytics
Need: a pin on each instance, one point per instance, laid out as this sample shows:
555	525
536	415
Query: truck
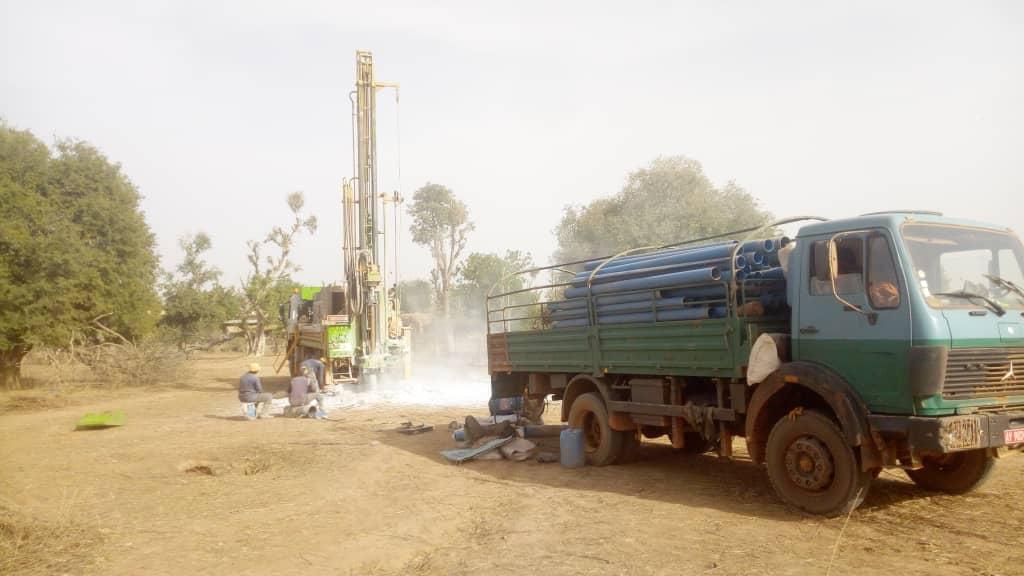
899	343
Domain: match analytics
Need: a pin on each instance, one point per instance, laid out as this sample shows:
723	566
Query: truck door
869	350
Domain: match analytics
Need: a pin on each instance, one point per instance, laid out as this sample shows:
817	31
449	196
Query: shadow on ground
737	486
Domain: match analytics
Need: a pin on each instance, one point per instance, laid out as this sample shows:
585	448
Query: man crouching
303	390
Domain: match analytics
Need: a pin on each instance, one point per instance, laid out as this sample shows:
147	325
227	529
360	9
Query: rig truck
899	342
356	326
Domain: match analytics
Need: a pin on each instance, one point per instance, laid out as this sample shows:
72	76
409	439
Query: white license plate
1013	436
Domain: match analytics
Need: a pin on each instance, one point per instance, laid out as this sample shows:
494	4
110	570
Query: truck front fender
581	384
809	385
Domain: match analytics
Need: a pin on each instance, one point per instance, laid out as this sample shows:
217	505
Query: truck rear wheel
812	467
602	445
955	473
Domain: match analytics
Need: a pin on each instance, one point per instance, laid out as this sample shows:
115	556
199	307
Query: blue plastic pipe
702	275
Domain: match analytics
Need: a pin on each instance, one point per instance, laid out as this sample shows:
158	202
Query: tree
481	271
416	296
668	201
441	223
74	246
195	304
117	243
269	283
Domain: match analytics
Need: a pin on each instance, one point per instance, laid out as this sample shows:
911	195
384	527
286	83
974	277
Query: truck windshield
961	267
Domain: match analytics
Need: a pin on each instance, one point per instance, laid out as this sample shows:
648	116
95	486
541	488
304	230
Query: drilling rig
356	326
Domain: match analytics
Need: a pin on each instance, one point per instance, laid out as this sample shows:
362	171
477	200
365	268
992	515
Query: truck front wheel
955	473
812	467
603	445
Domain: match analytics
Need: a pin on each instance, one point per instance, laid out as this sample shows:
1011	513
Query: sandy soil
188	487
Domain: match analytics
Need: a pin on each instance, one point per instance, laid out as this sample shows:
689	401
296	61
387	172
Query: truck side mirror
833	261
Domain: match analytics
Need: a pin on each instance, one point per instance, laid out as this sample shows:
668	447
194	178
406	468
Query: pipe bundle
686	283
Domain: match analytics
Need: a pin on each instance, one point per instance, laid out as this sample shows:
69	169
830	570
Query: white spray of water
429	386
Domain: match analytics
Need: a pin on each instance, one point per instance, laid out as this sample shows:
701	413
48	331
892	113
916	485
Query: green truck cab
901	344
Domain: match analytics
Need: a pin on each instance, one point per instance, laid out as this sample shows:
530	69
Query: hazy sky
218	110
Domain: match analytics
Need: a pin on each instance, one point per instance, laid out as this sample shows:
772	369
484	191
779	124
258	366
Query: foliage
668	201
441	223
195	304
416	296
269	283
73	246
481	271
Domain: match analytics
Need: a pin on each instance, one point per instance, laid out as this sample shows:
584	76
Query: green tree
441	223
416	296
117	243
668	201
483	270
74	246
269	283
195	304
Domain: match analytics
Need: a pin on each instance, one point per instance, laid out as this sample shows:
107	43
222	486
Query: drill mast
365	234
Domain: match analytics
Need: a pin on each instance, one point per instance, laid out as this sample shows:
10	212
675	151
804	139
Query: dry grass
29	402
29	545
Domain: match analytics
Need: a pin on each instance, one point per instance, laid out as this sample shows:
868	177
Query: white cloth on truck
766	355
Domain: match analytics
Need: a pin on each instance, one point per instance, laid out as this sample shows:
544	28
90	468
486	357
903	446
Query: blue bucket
573	448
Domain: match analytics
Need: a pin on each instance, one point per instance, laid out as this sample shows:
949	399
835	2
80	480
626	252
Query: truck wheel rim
809	464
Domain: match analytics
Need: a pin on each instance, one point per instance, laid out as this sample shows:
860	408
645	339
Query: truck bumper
919	434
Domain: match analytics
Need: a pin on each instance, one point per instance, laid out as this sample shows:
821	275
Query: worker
250	391
303	390
317	369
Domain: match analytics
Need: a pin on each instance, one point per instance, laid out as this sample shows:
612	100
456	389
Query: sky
217	110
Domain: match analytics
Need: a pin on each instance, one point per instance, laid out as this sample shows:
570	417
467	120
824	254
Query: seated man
250	390
304	390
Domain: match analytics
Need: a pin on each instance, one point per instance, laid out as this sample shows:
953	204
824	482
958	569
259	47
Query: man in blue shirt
250	390
317	369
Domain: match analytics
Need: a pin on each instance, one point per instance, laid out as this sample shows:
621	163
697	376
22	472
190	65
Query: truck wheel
954	473
812	467
601	444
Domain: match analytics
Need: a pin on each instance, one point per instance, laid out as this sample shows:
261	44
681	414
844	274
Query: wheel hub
809	464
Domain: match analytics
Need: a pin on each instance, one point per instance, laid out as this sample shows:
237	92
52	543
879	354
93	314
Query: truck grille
984	373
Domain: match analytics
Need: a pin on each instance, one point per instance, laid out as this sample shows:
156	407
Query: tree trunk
256	341
10	366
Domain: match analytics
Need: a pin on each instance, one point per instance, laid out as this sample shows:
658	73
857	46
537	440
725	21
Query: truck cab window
850	279
883	285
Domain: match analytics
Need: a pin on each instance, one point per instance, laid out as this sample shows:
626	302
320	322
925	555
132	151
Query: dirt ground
186	486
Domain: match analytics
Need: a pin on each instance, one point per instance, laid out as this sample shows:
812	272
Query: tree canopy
483	270
416	296
74	246
668	201
440	221
195	303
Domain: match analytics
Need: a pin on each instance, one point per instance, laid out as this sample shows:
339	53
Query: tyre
812	467
954	473
602	445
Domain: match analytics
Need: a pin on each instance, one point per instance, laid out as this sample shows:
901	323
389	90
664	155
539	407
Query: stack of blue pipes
685	283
